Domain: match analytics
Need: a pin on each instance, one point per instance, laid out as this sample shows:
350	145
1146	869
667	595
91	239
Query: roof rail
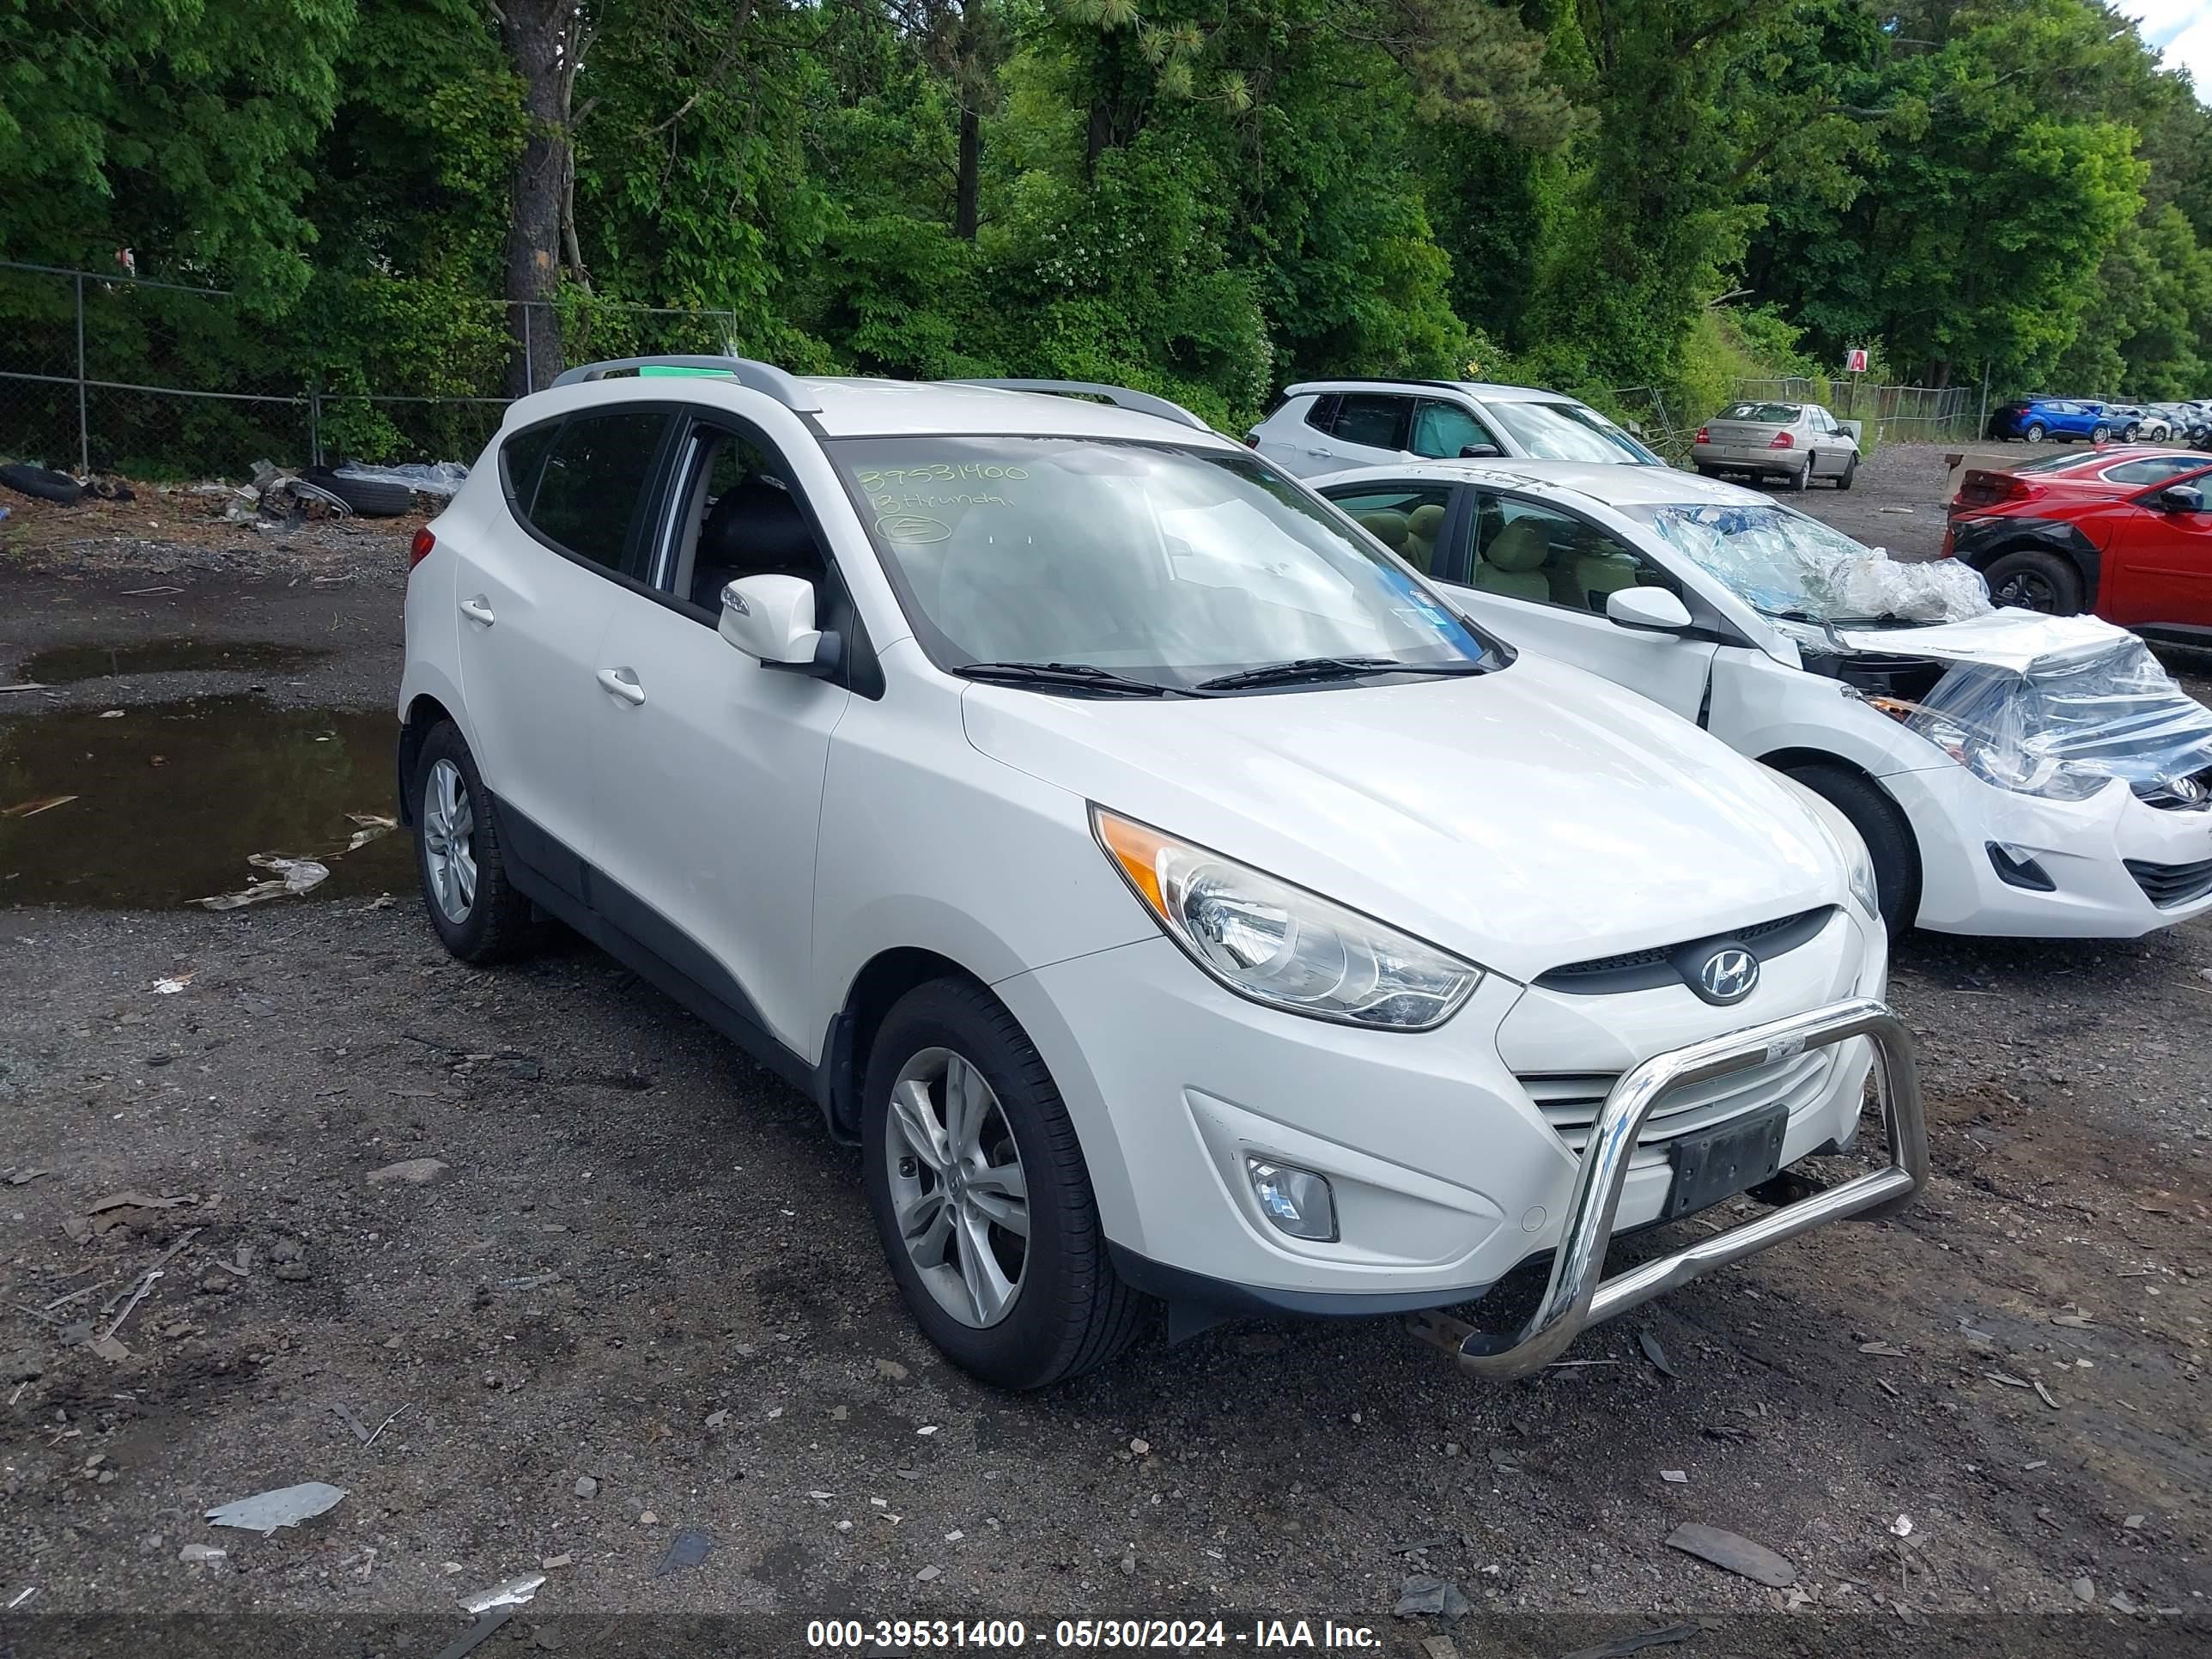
1371	380
1144	403
764	378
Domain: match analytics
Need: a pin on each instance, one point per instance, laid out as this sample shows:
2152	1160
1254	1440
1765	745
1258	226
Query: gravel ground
641	1293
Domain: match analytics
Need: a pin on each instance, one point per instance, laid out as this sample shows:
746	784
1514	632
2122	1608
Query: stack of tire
42	484
371	498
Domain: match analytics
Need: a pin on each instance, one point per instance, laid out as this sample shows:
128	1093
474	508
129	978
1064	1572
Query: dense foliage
1206	198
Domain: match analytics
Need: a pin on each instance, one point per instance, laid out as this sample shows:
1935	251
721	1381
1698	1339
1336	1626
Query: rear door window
1372	420
592	493
1408	519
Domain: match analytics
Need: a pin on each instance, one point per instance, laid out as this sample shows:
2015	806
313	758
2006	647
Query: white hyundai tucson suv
1171	892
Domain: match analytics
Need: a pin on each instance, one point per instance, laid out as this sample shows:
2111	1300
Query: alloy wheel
957	1186
449	856
2030	590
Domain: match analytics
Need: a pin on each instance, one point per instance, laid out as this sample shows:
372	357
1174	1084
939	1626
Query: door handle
623	683
477	610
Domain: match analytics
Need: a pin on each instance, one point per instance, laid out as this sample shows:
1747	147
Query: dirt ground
640	1297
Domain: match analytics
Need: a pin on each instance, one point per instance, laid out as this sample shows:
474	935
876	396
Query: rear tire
460	858
1851	470
1796	482
1069	1311
1884	829
2034	579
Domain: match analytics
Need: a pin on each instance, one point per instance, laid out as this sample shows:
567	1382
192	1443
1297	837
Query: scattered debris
890	1369
110	1213
293	876
26	1365
534	1281
1654	1353
1675	1477
415	1171
929	1573
687	1549
170	986
1883	1350
715	1419
1734	1552
1623	1645
2134	1522
508	1593
30	809
2006	1379
1439	1646
586	1487
25	1177
1136	1448
284	1506
2044	1394
201	1552
24	1597
372	824
2085	1589
345	1416
1424	1596
1902	1527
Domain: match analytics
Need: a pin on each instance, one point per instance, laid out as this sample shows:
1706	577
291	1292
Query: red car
2122	531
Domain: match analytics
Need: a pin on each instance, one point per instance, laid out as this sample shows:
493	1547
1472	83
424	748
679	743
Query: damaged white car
2011	773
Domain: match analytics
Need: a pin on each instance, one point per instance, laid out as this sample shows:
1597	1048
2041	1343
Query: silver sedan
1794	442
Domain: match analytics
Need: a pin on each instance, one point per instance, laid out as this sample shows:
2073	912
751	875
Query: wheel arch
425	714
875	989
1788	759
1982	545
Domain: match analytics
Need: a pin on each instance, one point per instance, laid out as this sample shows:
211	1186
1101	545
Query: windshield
1165	564
1788	565
1567	432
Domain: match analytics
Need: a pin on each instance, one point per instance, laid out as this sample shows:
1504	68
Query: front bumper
1452	1154
1578	1295
2083	848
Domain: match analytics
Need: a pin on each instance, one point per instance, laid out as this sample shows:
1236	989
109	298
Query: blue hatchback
2034	419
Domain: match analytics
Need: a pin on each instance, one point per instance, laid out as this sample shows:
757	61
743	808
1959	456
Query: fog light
2016	867
1296	1200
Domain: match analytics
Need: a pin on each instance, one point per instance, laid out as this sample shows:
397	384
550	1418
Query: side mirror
1851	427
772	618
1480	453
1647	611
2181	498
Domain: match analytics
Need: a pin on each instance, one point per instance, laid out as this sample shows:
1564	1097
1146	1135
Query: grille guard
1577	1295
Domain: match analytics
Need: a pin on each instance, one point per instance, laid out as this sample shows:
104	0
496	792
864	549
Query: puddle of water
65	663
235	777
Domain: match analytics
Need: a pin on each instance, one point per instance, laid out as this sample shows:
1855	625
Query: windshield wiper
1331	668
1083	675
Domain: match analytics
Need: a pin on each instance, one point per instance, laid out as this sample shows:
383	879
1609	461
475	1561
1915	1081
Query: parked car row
2089	420
1190	885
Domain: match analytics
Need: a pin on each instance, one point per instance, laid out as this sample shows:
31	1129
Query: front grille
1571	1101
2169	884
2175	794
1634	969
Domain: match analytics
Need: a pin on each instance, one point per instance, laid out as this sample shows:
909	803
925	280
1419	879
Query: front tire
2034	579
460	858
1881	825
2032	433
981	1195
2101	434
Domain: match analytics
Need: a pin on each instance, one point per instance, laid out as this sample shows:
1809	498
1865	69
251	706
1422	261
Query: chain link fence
118	373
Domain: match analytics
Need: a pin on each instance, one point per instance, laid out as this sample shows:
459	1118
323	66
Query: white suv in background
1170	892
1326	426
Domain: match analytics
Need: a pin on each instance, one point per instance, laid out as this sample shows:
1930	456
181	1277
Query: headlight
1280	945
1850	846
2005	766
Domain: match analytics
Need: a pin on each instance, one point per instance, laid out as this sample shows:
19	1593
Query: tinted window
1378	422
594	482
522	455
1442	431
1322	415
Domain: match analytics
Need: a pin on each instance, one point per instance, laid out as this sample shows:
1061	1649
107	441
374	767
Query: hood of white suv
1523	819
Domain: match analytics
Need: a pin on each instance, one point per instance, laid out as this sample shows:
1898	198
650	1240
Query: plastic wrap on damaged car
2058	711
1788	565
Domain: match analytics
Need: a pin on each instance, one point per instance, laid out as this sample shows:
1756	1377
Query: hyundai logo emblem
1729	974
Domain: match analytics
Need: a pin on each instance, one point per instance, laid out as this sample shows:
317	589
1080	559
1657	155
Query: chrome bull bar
1578	1295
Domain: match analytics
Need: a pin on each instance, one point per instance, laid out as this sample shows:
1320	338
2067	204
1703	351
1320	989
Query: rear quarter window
593	484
